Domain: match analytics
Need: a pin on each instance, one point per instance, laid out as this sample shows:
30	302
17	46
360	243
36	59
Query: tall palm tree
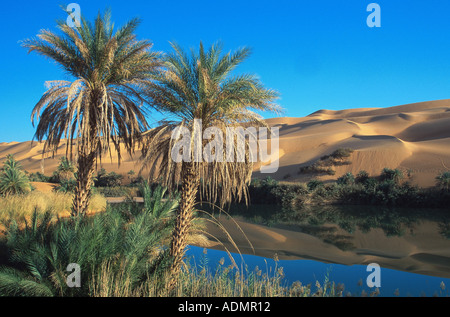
101	108
200	86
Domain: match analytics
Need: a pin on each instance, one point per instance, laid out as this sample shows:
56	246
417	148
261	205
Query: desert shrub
325	163
118	191
268	182
105	179
136	181
317	169
39	177
337	158
66	186
362	177
394	175
260	190
443	180
360	190
314	184
370	184
270	191
342	153
286	195
346	179
385	193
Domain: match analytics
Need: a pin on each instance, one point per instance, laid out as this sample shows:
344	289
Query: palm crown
201	86
103	104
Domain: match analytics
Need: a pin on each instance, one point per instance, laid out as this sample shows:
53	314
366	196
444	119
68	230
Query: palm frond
104	102
200	86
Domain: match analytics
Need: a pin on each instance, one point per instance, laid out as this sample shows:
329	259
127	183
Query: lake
411	246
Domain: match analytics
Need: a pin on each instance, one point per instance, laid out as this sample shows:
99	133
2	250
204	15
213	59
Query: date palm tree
13	180
102	107
193	87
65	170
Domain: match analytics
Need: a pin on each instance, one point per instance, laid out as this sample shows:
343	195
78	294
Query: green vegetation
362	177
326	163
125	243
346	179
393	175
385	190
443	180
123	252
40	177
105	179
65	171
13	179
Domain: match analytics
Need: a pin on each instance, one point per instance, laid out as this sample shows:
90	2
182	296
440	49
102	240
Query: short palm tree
102	107
200	86
11	163
65	170
13	179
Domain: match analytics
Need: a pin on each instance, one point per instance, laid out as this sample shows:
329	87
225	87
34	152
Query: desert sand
413	137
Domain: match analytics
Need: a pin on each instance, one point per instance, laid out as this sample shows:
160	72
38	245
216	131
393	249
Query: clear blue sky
318	54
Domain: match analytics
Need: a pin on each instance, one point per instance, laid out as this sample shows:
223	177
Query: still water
411	246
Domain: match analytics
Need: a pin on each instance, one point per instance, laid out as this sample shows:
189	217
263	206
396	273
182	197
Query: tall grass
20	207
195	281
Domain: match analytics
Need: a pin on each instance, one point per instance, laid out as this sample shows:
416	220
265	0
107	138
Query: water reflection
410	240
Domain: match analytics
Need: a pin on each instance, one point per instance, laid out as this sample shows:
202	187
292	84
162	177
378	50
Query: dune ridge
413	137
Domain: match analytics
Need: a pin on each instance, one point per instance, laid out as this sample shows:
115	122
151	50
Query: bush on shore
386	190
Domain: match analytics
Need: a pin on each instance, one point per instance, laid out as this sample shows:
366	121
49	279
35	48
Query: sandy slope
413	137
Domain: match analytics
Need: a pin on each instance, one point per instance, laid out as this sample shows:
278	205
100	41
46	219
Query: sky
317	54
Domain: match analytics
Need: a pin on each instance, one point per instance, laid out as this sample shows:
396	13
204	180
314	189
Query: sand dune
414	137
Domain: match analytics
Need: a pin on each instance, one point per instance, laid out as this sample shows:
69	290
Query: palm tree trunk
190	184
84	184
